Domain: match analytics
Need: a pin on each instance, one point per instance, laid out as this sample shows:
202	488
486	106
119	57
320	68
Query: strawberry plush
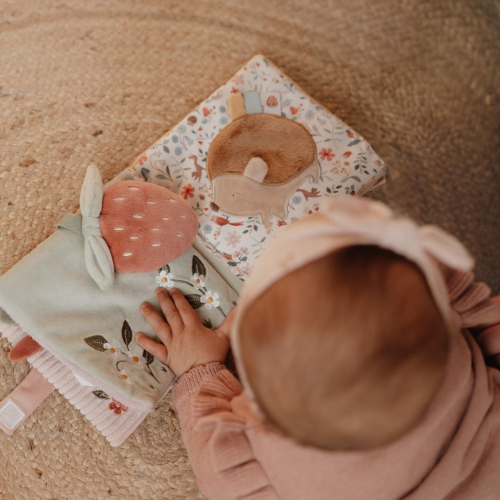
145	226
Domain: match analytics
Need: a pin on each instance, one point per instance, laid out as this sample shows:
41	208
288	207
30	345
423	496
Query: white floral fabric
349	166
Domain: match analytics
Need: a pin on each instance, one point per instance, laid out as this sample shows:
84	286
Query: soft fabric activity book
194	211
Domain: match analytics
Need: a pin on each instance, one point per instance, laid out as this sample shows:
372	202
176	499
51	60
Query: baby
357	344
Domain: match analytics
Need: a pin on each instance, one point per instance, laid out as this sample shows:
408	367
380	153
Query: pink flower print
245	269
233	238
187	191
118	407
327	154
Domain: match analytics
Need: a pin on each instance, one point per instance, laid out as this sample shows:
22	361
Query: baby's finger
185	310
225	328
169	310
159	351
157	323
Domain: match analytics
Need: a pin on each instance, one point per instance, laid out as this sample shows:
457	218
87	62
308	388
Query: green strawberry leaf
96	342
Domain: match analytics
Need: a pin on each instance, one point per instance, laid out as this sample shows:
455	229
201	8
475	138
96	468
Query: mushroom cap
285	145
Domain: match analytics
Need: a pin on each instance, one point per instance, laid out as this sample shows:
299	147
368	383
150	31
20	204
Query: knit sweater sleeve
214	435
478	311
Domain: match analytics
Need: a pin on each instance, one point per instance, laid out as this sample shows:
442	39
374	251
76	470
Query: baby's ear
256	169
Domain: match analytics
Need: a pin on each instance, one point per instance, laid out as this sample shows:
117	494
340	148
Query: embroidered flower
233	238
245	269
210	299
187	192
343	170
198	281
165	280
327	154
241	252
142	160
124	376
136	359
112	351
117	407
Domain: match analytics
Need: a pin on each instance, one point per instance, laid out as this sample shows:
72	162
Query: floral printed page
347	163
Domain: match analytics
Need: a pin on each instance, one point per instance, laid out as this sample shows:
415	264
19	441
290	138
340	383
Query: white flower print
233	238
165	280
210	299
111	350
135	358
123	374
198	281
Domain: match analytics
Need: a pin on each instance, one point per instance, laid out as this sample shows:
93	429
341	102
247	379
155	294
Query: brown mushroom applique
257	162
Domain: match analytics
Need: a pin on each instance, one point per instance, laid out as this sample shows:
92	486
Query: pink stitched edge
115	430
98	383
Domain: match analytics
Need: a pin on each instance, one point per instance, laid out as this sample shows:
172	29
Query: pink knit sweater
454	453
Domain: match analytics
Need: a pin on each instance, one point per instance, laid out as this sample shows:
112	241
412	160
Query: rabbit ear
256	169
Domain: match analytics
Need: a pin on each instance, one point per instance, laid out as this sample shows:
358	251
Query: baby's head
347	351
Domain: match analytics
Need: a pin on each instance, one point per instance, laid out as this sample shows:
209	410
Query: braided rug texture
97	82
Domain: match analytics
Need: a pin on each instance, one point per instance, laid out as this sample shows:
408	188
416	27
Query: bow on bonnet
374	221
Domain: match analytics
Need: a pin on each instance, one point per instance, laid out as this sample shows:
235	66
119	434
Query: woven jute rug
97	82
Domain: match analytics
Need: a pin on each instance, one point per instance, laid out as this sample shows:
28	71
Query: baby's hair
346	352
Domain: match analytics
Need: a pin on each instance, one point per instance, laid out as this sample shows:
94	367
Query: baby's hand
185	341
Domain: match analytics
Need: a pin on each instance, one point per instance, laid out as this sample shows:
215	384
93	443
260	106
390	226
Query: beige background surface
91	81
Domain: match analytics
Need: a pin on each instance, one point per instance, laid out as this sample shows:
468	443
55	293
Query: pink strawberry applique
145	226
272	102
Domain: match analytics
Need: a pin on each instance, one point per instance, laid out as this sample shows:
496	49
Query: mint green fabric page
51	296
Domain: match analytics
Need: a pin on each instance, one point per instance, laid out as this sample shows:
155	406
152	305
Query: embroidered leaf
148	357
145	172
194	300
198	267
207	323
96	342
100	394
353	143
126	333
